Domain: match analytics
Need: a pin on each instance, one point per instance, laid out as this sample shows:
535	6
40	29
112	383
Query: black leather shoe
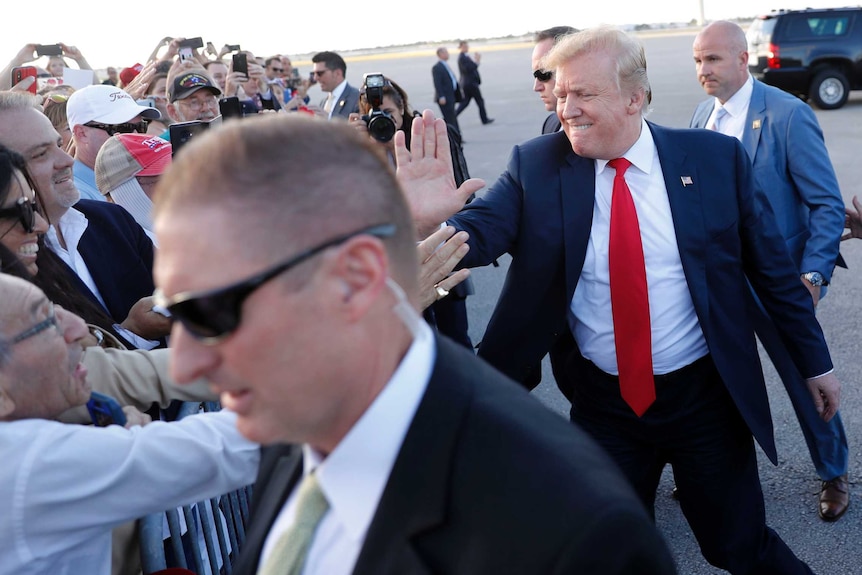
834	498
488	121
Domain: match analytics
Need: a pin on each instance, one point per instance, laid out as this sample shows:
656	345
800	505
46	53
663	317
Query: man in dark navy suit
106	252
678	214
447	91
470	80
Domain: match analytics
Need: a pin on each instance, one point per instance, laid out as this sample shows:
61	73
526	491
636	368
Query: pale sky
122	33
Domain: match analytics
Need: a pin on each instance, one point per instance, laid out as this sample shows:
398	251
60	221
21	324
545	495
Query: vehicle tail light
773	59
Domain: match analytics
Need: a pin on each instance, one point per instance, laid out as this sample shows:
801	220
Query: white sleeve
75	482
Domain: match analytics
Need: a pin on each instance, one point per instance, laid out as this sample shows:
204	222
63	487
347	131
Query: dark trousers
471	91
448	111
695	426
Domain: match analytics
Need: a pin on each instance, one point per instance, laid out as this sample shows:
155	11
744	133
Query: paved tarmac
791	488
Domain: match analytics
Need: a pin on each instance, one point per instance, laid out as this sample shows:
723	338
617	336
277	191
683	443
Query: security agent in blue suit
706	232
792	167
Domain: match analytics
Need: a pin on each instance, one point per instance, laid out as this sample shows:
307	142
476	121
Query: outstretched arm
425	174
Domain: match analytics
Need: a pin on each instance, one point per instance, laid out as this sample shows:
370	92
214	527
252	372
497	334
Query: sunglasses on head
126	128
542	75
212	315
25	211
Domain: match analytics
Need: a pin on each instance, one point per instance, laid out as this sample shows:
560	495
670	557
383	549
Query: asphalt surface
791	488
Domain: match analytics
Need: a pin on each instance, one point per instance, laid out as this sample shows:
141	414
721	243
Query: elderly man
543	80
791	165
108	256
192	95
408	453
96	113
633	248
64	487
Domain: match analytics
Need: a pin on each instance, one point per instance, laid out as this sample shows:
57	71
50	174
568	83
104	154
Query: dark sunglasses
279	70
212	315
126	128
319	72
25	211
542	75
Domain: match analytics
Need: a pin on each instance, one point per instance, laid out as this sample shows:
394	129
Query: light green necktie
288	555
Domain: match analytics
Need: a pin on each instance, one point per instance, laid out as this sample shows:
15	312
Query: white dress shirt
335	95
733	123
353	476
63	487
73	224
677	338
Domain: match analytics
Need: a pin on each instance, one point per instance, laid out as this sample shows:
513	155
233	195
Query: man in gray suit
791	165
330	71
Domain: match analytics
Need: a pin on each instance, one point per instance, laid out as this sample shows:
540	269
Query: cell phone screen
240	63
49	50
183	132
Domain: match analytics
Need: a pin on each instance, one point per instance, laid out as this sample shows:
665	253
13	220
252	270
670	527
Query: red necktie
629	298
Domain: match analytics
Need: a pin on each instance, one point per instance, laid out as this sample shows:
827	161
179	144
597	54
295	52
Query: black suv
813	53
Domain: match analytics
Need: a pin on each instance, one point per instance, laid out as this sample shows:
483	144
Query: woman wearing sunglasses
20	222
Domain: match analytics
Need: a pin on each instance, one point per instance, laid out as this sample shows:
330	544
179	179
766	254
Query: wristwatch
814	278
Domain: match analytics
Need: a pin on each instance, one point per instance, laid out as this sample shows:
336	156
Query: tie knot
620	165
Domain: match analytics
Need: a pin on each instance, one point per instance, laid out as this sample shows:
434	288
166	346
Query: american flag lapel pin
686	181
755	125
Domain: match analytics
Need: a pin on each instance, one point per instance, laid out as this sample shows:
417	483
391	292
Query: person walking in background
470	80
784	142
447	91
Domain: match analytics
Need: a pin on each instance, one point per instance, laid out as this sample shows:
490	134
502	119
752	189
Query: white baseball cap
105	104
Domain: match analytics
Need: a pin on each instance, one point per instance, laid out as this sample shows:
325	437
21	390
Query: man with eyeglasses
417	454
192	95
330	72
96	113
543	80
64	487
274	71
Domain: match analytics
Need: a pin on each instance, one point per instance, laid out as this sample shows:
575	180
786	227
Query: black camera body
380	124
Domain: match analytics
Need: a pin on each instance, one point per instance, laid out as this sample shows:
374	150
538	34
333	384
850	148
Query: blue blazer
540	211
791	165
119	255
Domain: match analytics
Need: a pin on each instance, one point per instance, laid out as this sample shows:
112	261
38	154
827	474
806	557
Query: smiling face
19	241
43	375
601	118
30	133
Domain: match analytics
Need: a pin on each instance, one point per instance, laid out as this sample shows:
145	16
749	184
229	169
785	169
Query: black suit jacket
119	255
551	124
487	481
469	70
443	84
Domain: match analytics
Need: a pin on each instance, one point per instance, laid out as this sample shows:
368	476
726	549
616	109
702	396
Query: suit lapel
577	197
414	500
684	191
755	121
274	483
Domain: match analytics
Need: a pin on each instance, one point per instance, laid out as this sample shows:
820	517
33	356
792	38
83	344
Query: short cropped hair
331	60
556	33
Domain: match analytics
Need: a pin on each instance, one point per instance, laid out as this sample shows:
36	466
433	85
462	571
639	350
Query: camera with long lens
380	124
